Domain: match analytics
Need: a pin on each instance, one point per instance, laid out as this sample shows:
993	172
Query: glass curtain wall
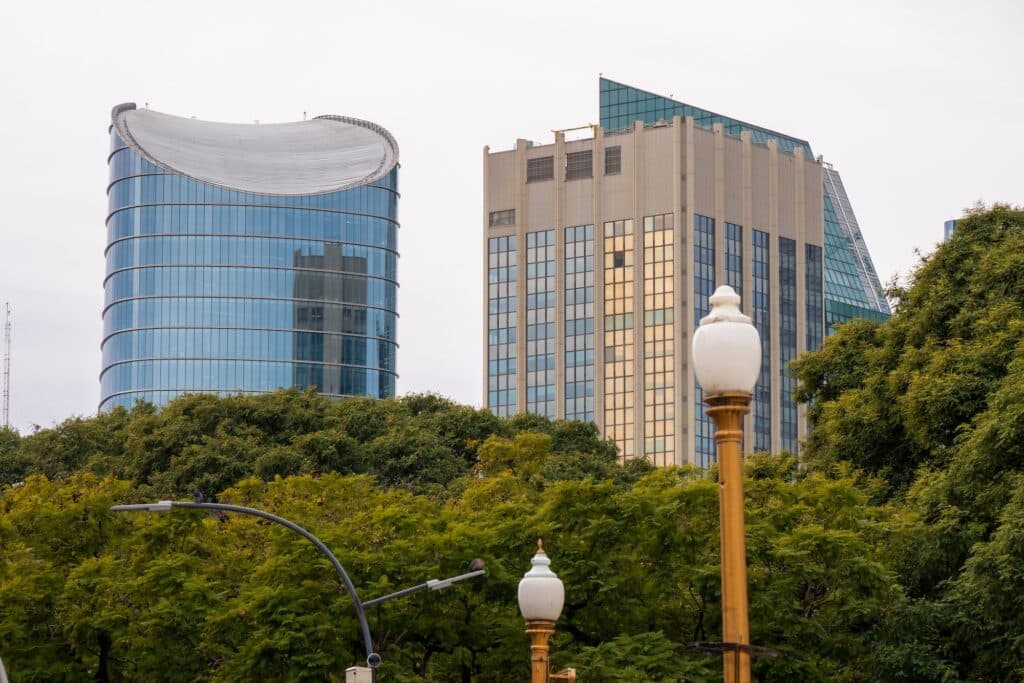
540	322
703	288
618	335
501	325
214	290
761	314
787	341
579	323
659	348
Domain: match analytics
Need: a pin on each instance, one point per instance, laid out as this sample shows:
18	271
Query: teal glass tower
244	258
852	287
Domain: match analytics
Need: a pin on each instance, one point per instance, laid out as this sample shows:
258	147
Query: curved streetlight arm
372	658
431	585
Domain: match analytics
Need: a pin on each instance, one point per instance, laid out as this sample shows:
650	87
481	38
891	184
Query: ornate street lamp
541	597
727	359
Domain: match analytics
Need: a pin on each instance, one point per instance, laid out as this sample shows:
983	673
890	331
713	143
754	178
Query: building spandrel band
246	258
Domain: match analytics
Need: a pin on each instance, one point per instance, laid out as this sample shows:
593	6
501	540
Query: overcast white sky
918	104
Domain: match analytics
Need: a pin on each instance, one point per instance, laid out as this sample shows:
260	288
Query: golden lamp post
541	597
727	358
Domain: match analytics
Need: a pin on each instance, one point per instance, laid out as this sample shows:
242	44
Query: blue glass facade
703	288
209	289
734	258
501	325
761	315
787	341
813	287
540	322
579	323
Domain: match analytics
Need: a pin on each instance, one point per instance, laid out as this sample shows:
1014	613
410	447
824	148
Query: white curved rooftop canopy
325	154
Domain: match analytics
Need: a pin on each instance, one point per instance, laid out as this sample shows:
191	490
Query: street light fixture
541	598
372	658
727	359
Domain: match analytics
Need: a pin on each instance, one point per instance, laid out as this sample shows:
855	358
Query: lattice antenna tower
7	365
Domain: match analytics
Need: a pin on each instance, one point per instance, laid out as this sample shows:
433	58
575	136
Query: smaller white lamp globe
541	593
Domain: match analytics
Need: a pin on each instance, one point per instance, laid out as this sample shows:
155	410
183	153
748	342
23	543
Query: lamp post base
540	631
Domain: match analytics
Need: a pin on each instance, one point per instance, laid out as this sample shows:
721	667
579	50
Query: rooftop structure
852	287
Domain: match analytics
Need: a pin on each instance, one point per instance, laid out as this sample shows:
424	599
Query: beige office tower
600	255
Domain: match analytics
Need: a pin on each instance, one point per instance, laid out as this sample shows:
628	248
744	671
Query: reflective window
813	287
787	341
618	335
761	314
250	344
273	314
274	283
176	376
540	322
734	260
703	288
252	221
659	339
502	218
501	325
579	323
252	251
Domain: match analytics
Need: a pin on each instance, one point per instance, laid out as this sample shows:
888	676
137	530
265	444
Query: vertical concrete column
486	222
521	147
686	285
639	168
559	275
747	300
719	131
679	273
773	279
801	281
598	220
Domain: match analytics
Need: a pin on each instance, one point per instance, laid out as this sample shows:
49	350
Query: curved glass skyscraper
245	258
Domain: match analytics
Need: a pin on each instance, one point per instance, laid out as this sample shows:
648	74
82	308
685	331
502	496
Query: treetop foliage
890	552
932	403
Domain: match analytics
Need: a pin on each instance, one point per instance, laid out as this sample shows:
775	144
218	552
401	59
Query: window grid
787	341
579	323
501	325
540	322
813	287
613	160
579	165
734	258
618	335
541	168
703	287
498	219
659	335
762	321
